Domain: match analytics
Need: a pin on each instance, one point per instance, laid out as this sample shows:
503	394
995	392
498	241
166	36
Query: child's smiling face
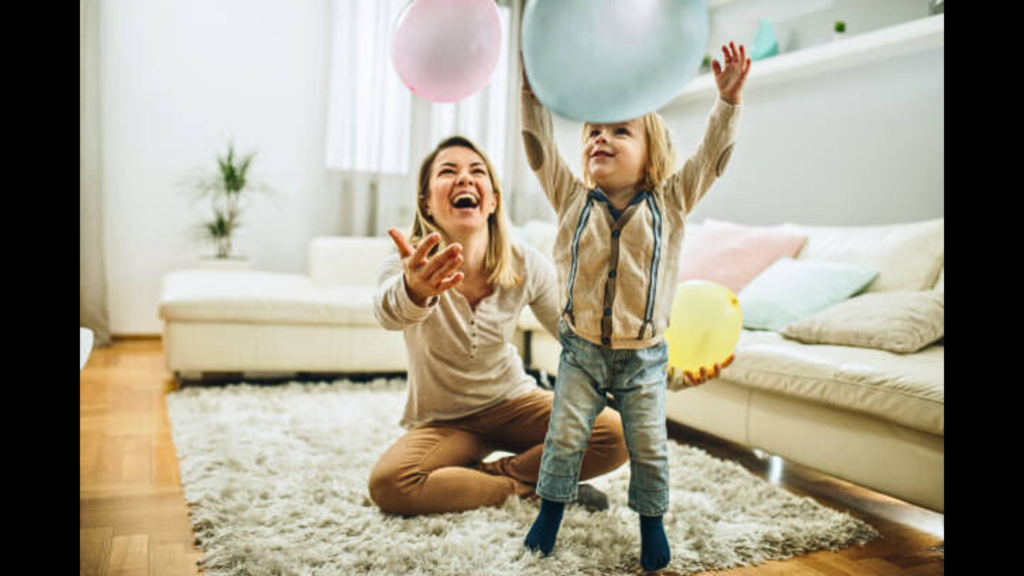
616	154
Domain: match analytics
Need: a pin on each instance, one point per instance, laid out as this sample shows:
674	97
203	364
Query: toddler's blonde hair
661	157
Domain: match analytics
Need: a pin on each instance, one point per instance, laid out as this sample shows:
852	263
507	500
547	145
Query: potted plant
229	191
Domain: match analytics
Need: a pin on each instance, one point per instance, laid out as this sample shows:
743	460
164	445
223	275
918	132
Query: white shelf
902	39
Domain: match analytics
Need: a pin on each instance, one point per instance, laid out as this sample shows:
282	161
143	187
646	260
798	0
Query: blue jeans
636	379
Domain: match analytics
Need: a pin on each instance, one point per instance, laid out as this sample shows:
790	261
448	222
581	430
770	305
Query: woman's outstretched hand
428	277
731	77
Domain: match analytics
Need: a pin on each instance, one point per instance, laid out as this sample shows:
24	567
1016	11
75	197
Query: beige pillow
900	321
907	256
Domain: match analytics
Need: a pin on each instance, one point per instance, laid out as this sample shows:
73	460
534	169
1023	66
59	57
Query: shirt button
607	311
615	234
611	274
605	341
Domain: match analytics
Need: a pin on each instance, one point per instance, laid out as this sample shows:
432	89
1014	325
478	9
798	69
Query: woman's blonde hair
499	261
661	157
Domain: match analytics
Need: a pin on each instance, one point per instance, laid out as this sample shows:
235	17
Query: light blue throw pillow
789	290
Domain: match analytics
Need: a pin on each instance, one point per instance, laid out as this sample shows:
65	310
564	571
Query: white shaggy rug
275	477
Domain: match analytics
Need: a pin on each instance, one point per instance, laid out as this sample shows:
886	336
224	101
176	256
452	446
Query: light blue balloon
609	61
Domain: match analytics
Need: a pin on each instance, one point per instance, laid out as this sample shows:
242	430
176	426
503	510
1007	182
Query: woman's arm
543	289
392	305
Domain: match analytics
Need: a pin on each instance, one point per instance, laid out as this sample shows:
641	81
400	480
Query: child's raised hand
428	277
731	77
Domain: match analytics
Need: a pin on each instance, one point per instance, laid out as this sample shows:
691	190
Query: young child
620	233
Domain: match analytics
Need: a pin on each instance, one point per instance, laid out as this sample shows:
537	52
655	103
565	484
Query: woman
455	288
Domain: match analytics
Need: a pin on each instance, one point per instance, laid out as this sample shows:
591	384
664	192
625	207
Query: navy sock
545	528
654	552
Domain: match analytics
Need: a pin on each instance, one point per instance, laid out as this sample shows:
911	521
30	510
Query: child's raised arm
541	150
688	185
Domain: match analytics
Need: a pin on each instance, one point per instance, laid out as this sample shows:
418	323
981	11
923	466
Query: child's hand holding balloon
690	379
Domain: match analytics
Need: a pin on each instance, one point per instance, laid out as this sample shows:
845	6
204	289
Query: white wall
853	147
178	79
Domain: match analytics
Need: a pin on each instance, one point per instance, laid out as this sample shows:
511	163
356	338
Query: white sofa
872	417
267	323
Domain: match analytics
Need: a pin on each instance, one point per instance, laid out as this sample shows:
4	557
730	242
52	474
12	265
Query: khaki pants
437	468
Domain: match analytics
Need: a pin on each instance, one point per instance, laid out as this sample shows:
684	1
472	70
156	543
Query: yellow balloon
704	327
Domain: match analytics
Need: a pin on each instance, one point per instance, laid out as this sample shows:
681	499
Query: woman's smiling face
461	193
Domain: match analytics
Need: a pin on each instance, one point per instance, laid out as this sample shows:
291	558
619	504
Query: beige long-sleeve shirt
617	277
462	360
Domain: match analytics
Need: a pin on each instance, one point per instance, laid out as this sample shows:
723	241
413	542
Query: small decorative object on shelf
839	31
765	44
705	65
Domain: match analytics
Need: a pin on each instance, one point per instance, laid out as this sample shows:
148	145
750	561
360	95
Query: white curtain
378	133
368	107
92	284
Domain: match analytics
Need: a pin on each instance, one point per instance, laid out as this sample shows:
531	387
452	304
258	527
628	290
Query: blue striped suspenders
652	287
652	275
584	216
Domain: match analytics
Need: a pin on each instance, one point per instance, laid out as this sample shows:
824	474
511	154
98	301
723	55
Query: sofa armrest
346	260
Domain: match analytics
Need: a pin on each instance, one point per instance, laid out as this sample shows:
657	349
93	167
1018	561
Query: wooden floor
134	520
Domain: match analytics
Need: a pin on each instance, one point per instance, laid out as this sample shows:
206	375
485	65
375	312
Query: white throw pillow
901	321
907	256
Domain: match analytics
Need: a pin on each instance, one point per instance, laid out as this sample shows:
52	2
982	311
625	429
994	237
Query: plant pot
229	263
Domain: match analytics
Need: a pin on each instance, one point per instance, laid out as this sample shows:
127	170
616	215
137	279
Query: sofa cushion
732	254
904	389
940	284
907	256
262	297
903	322
793	289
540	234
342	260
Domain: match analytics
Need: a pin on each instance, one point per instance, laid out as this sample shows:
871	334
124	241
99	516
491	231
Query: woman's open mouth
465	201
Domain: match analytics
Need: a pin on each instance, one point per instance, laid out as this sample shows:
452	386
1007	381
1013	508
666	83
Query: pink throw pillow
733	254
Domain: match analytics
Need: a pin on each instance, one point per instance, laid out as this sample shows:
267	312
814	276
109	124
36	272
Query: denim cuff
556	488
648	503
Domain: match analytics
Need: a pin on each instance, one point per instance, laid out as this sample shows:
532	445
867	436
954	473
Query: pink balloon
445	50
